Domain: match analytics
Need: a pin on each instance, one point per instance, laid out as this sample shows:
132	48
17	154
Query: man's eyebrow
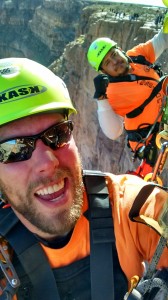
106	61
111	53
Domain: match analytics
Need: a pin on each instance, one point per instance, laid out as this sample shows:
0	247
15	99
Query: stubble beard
65	220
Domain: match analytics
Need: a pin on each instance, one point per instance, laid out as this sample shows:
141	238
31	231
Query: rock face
37	29
58	33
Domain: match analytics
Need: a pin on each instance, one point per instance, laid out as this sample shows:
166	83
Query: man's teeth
51	189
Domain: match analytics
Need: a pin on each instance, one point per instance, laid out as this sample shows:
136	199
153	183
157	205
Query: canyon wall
38	29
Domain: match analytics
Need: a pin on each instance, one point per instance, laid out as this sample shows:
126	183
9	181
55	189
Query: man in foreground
45	195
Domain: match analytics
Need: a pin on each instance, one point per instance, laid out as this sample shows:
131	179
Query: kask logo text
21	92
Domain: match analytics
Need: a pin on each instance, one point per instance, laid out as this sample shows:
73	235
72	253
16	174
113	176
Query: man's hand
165	24
100	82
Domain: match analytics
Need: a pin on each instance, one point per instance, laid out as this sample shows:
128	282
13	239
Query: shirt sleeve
153	48
110	123
136	242
160	43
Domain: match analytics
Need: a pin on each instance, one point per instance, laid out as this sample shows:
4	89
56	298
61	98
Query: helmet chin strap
2	199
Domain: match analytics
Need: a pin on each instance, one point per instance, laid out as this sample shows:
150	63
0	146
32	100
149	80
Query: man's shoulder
126	187
141	49
125	179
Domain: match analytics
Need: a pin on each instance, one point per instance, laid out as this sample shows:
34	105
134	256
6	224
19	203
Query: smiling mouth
51	192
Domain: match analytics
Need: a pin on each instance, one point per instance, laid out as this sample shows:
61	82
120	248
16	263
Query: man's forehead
112	50
22	124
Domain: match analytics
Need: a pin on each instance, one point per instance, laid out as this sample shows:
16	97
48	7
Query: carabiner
159	165
161	135
8	270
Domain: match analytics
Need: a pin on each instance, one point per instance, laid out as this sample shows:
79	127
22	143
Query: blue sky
145	2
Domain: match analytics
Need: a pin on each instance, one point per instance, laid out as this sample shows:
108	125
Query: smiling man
45	214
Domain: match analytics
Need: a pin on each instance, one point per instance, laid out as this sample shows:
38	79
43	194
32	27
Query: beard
64	220
125	72
125	66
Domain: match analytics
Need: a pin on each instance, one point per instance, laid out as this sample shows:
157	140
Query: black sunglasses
21	148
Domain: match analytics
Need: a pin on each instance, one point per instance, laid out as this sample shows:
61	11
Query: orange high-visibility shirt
126	96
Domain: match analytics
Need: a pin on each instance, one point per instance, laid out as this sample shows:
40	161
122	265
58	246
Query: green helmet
98	50
27	88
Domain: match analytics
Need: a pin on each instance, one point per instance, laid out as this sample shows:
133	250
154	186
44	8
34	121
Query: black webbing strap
133	77
140	199
134	213
130	78
101	236
31	256
137	111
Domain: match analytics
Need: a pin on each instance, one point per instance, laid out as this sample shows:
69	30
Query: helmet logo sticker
7	71
100	51
21	92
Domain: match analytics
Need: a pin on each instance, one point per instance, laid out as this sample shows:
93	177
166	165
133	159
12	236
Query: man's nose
44	158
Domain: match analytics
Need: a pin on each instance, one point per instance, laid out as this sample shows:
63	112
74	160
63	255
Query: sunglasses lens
15	150
59	135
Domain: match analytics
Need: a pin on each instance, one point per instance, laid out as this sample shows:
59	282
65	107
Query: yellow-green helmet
27	88
98	50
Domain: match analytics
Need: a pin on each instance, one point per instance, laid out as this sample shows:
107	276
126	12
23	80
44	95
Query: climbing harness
160	142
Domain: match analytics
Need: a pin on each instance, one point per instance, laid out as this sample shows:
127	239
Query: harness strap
130	77
101	236
31	256
140	59
139	134
140	199
137	111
